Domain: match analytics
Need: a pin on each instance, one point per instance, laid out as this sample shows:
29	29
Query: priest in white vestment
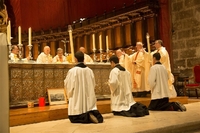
122	102
166	62
140	70
14	54
80	85
45	56
160	93
87	58
60	58
124	59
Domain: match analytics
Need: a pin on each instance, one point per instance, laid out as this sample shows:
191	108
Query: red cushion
193	85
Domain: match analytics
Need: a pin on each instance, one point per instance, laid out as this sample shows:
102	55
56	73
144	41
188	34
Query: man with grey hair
45	56
140	70
59	58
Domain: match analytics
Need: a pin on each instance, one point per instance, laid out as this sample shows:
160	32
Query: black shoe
180	106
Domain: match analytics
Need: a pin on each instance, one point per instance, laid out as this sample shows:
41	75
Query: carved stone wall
28	82
185	34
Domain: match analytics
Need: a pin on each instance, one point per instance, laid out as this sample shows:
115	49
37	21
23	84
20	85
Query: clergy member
80	85
160	93
122	102
121	56
166	62
124	59
140	70
60	58
87	58
45	56
14	54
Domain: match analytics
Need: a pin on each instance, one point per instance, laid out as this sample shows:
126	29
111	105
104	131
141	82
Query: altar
30	81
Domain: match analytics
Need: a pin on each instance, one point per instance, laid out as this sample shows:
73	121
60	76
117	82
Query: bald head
119	53
82	49
139	43
47	50
15	49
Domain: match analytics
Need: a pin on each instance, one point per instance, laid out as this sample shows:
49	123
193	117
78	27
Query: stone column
4	86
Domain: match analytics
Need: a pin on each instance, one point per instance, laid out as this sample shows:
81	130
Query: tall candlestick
19	35
148	43
107	47
71	42
93	41
9	32
9	36
100	42
29	37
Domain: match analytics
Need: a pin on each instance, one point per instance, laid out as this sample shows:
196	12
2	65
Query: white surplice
87	59
43	58
56	59
166	62
121	90
124	60
13	57
158	81
80	85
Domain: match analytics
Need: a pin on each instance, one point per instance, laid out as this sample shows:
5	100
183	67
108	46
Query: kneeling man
160	93
80	85
120	83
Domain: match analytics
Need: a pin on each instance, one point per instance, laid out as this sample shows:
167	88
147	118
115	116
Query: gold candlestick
71	42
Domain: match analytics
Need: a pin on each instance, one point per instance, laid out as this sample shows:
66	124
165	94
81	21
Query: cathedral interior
102	27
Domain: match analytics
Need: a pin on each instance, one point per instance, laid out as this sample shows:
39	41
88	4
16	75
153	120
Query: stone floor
156	122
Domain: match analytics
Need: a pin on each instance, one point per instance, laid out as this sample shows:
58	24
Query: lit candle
93	41
29	36
107	47
10	30
100	42
148	43
19	35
